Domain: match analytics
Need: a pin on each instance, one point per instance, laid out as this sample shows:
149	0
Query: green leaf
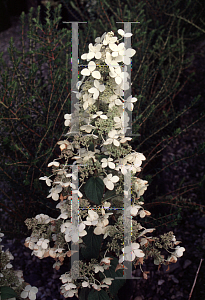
117	283
84	294
95	295
7	292
94	189
93	244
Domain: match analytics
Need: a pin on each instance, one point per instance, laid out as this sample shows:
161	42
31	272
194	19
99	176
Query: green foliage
95	295
7	292
94	189
93	244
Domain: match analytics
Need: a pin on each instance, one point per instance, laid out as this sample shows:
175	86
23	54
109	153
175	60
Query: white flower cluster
27	291
103	122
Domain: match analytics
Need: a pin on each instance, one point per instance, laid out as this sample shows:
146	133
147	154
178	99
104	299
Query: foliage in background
34	101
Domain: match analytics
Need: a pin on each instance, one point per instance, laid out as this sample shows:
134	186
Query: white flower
118	74
129	103
43	243
65	145
98	268
140	186
99	114
100	229
179	251
115	101
54	192
54	163
110	180
107	162
69	286
67	119
43	219
112	138
107	280
122	33
92	218
142	213
96	89
94	51
122	121
110	61
88	101
29	292
85	284
135	209
135	158
109	38
72	232
130	252
87	128
90	71
48	180
117	49
65	278
127	54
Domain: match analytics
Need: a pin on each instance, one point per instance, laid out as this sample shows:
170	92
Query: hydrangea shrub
103	157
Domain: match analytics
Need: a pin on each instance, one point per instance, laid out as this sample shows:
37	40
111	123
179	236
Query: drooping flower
29	292
48	180
130	252
67	119
54	192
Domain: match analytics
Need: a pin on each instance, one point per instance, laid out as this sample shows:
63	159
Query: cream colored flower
107	162
110	180
96	89
90	71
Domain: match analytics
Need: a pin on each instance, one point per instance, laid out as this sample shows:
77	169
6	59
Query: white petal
96	74
128	34
98	55
109	185
84	56
91	66
116	143
90	55
24	294
54	163
113	47
130	52
118	80
115	178
104	117
121	32
111	165
55	196
98	230
126	60
85	72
